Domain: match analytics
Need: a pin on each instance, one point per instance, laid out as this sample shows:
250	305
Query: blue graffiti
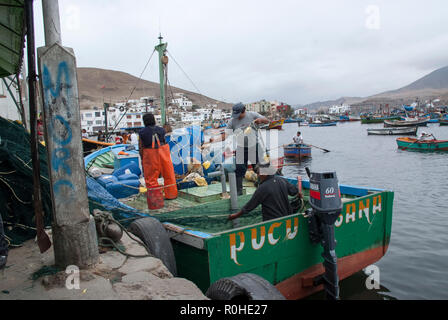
48	83
62	138
59	161
68	136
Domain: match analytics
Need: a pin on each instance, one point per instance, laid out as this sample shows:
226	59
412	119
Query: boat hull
443	122
368	120
405	123
423	145
276	124
324	124
393	131
293	151
280	250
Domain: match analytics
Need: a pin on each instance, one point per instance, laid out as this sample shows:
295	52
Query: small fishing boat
406	123
297	151
422	145
276	124
377	119
443	122
290	120
322	124
393	131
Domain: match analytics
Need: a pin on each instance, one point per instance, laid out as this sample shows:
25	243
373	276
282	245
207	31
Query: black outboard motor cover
325	196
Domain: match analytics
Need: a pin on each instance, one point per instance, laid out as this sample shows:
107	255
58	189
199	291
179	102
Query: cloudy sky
246	50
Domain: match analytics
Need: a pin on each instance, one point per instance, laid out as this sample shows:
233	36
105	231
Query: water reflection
354	288
294	168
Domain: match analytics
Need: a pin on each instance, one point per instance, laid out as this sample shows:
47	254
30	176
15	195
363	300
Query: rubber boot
239	186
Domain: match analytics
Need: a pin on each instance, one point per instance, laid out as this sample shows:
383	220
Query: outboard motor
326	206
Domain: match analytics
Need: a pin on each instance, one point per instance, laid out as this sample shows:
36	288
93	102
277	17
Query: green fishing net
16	183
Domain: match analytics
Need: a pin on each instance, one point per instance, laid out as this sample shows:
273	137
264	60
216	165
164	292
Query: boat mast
163	60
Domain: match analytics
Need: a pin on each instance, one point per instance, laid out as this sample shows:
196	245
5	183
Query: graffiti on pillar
59	128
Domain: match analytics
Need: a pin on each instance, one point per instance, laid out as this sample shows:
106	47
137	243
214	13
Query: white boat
393	131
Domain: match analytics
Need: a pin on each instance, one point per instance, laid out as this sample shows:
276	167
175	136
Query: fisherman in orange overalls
156	161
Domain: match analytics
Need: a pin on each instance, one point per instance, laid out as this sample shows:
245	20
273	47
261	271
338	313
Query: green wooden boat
377	119
280	250
206	247
422	145
443	122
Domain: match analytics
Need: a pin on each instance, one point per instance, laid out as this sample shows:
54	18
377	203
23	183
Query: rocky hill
98	85
433	85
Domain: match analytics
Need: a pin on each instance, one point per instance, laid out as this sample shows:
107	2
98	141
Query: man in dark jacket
272	194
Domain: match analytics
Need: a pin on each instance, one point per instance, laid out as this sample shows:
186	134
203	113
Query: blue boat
322	124
297	151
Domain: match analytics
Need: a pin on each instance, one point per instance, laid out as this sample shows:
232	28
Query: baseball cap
237	109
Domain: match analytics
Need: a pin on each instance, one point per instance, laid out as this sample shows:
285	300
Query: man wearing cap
272	194
246	143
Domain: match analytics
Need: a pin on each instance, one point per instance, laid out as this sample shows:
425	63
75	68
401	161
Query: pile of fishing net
16	183
210	217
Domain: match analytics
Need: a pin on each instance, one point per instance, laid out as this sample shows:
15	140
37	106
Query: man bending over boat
272	194
247	144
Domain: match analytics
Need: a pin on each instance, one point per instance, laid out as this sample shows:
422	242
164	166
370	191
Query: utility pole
163	61
74	234
106	108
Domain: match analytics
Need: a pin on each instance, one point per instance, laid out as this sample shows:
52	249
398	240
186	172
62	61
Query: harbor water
416	263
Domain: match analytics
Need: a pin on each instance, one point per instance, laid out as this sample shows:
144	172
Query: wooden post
43	240
74	233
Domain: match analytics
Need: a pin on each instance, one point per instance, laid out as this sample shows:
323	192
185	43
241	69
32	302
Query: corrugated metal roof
12	36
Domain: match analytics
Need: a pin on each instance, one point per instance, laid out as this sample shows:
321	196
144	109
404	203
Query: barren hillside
98	85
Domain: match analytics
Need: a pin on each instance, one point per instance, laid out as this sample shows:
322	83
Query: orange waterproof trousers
158	162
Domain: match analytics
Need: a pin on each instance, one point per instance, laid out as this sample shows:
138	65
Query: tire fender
244	286
155	237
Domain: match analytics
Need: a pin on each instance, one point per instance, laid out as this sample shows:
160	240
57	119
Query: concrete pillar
52	24
74	233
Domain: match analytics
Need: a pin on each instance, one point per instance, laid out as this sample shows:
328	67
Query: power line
194	85
132	91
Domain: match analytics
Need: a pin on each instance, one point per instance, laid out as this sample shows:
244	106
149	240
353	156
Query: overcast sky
246	50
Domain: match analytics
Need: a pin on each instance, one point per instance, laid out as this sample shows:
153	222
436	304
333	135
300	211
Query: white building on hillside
339	109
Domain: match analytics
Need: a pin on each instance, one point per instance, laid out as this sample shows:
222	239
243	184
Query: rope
132	92
12	190
104	219
171	56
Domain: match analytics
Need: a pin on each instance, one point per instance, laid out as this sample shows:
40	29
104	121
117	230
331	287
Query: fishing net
16	183
210	217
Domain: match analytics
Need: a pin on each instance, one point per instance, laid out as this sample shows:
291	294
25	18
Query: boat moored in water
322	124
276	124
205	247
406	123
393	131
